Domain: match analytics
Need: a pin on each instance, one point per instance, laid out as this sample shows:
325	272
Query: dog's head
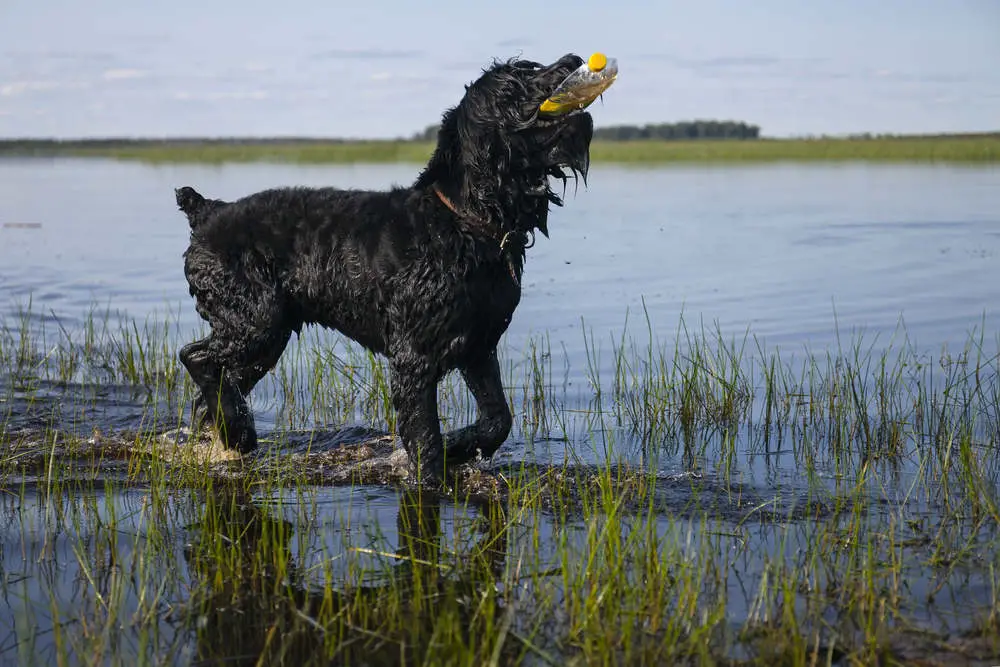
496	152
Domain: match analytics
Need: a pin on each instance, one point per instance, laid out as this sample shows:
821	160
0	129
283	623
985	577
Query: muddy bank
356	456
349	456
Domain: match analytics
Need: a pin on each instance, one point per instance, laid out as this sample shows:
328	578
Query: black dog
427	275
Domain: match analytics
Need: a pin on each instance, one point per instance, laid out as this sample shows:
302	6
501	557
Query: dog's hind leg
225	375
245	378
221	399
249	334
493	424
245	308
265	357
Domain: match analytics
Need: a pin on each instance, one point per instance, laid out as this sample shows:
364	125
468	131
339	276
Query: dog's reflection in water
253	603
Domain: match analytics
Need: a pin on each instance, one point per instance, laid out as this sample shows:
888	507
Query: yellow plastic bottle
583	86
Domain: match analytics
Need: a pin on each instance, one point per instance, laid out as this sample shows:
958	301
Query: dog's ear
483	144
445	168
471	153
473	143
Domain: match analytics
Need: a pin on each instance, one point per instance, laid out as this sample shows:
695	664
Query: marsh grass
703	499
980	148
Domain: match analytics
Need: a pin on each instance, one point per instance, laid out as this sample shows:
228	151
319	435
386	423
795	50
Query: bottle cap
597	61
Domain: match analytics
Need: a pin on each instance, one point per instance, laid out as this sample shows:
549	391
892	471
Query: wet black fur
398	270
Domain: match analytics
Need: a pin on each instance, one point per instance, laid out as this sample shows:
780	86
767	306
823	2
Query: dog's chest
497	310
479	310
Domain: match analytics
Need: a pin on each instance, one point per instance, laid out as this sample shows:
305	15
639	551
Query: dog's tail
194	206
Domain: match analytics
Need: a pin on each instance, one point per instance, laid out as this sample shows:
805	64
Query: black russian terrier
427	275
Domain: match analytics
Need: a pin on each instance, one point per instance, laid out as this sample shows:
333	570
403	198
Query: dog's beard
571	147
562	147
573	156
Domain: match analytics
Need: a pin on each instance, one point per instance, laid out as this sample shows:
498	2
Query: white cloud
15	88
19	88
122	73
216	96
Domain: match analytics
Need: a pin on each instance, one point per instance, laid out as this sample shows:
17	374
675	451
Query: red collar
481	225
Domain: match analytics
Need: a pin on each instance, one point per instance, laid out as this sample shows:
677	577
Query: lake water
788	251
800	256
794	254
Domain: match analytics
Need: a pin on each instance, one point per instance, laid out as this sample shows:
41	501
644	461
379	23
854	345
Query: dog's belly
453	317
358	317
359	334
364	328
453	341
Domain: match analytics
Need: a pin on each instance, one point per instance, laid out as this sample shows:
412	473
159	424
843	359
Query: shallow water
803	256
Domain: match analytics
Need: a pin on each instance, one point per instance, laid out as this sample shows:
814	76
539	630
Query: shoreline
960	149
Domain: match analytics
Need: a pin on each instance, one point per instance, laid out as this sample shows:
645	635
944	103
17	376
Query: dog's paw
462	452
430	476
199	412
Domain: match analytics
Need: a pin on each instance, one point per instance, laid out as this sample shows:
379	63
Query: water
802	256
790	251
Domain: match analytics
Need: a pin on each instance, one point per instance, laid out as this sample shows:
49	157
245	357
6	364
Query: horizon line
412	139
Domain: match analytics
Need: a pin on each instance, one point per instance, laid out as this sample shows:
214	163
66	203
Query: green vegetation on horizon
979	148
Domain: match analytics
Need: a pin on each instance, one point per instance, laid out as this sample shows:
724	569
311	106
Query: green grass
881	548
973	149
984	149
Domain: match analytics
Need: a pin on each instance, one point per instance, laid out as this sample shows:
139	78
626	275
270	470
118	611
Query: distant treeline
681	130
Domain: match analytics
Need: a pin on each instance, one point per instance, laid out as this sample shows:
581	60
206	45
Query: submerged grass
980	148
703	500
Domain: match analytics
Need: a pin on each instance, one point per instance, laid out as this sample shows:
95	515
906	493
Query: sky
322	68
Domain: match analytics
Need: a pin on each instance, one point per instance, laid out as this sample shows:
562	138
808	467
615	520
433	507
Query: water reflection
256	603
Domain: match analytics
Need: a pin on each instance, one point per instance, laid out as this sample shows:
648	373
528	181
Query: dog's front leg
414	397
493	424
